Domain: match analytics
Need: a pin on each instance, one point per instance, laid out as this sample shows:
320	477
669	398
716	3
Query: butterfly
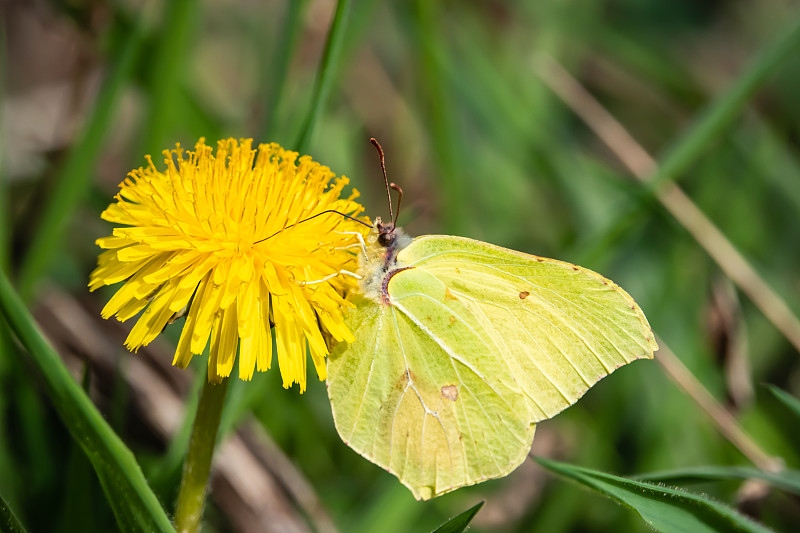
462	347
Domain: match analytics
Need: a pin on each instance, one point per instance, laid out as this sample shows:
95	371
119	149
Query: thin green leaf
134	504
76	173
459	523
79	510
724	109
328	69
167	72
788	480
12	478
275	85
665	509
789	401
5	215
441	111
9	522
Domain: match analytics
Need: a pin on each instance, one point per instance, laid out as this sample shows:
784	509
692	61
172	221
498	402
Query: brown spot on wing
404	379
450	392
448	295
523	295
452	319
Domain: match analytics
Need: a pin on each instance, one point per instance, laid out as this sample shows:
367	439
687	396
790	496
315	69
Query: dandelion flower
230	235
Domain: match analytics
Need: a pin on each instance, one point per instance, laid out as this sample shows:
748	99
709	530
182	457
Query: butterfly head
387	233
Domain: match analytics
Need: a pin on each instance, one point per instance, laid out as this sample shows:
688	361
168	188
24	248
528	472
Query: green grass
483	148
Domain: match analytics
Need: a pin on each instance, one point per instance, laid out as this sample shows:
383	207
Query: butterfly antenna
354	219
399	199
377	146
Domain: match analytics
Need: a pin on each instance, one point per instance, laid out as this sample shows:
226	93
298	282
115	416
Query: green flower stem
192	494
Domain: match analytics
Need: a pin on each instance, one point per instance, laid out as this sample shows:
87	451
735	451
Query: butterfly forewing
560	328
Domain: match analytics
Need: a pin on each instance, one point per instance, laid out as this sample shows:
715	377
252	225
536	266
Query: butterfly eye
386	238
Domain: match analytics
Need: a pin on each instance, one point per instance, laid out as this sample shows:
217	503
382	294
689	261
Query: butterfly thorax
384	242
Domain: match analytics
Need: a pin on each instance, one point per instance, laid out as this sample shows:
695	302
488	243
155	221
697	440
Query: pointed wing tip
654	347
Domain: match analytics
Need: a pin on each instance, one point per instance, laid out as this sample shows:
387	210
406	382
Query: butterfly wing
559	327
442	387
424	396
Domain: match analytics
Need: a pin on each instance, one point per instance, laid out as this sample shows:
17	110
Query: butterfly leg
330	276
360	242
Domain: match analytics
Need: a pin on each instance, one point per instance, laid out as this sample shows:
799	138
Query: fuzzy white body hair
378	262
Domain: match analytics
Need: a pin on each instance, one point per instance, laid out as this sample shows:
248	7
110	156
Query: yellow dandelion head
229	236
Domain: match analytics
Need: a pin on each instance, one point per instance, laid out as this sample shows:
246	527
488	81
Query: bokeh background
481	109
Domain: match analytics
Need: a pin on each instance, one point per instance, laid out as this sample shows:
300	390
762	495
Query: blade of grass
664	509
8	521
674	200
328	69
459	523
787	480
12	478
76	173
426	32
649	61
168	68
710	124
79	511
277	74
774	158
511	110
789	401
7	463
134	504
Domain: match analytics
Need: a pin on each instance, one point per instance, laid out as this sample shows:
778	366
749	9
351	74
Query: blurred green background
466	101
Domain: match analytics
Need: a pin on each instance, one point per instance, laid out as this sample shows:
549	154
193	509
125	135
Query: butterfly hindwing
422	395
